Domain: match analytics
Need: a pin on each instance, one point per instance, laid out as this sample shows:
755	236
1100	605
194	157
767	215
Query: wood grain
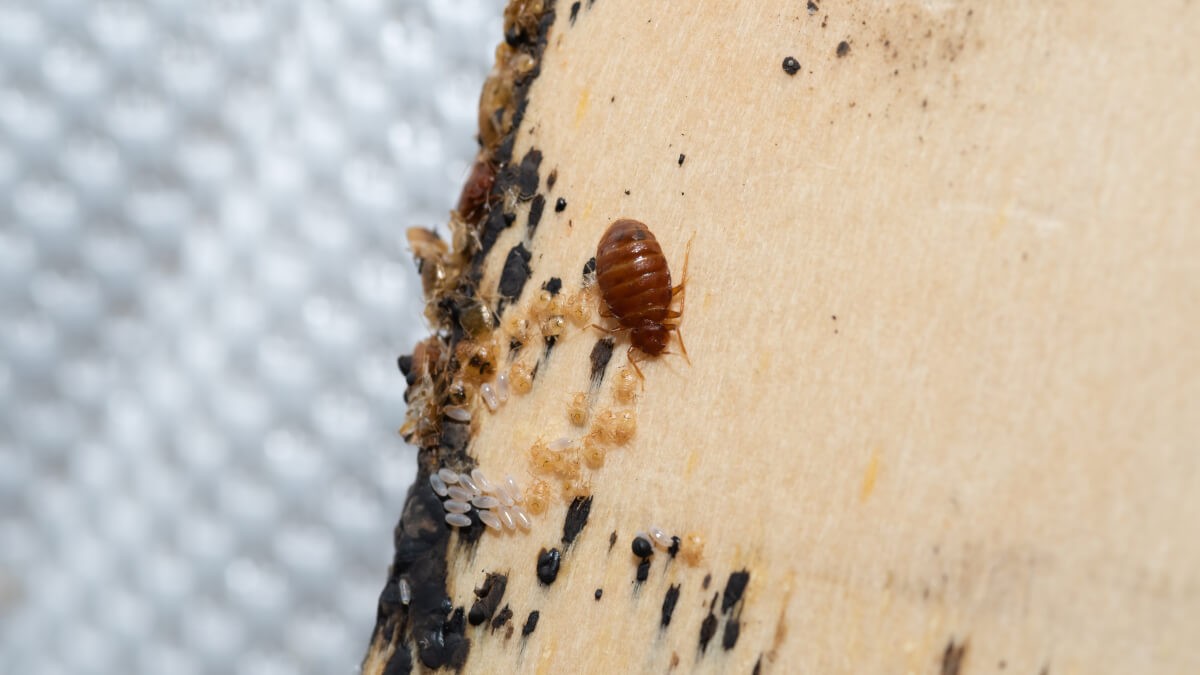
943	403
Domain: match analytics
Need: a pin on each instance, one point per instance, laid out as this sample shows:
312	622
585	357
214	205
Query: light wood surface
942	319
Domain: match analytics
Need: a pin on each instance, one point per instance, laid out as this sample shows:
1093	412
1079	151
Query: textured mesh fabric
203	288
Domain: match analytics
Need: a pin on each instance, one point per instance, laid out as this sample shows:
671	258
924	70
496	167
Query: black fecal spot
641	547
812	7
574	12
681	158
729	638
514	346
758	663
790	65
553	284
706	582
515	274
674	549
401	662
551	179
448	648
536	207
560	205
612	540
843	49
589	267
502	618
627	193
497	221
490	594
527	174
547	565
599	593
952	658
577	517
734	589
531	623
668	607
404	363
643	570
601	354
707	630
550	341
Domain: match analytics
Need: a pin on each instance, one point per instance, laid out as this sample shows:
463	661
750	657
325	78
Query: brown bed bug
635	283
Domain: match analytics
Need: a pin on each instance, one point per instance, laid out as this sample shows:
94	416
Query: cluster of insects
634	281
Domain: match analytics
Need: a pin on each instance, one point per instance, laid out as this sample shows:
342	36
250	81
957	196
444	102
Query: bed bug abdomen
635	283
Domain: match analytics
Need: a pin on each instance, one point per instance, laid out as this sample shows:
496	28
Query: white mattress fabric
204	286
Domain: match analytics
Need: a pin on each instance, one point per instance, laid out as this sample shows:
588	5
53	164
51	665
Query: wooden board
943	400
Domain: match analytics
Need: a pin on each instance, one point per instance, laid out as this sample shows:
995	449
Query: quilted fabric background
204	285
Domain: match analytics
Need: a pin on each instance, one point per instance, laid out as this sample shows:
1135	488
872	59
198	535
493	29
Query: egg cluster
497	505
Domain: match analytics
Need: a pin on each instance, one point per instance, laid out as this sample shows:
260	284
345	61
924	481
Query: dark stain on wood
952	657
548	563
515	274
668	606
530	623
489	596
502	618
576	519
601	354
734	589
536	207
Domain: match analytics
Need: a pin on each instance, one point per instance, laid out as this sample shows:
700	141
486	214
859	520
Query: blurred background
204	286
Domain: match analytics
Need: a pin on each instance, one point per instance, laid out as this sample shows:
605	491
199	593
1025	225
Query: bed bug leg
633	362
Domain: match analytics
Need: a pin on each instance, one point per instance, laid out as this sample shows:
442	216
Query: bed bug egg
577	409
489	397
506	518
438	485
502	387
455	506
480	480
490	519
485	502
521	518
659	537
448	476
457	413
458	520
521	378
514	490
469	483
405	591
459	493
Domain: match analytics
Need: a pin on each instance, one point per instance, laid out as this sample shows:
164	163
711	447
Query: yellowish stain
581	108
870	476
1000	222
546	658
587	211
692	462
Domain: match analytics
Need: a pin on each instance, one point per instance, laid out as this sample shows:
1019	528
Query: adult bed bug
635	283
